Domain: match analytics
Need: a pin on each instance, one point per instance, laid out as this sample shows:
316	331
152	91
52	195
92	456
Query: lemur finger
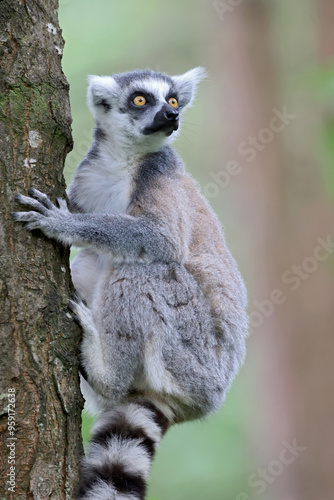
27	216
42	198
80	313
74	315
26	200
35	225
75	304
62	204
76	319
71	306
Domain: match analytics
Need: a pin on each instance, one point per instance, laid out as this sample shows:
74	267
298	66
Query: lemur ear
100	93
187	85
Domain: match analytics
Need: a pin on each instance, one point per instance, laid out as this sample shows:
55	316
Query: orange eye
173	102
139	100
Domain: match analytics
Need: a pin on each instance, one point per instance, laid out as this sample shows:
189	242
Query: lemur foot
81	313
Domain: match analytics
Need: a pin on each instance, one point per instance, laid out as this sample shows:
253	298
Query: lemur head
142	109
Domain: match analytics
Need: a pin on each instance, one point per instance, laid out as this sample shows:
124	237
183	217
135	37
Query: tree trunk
283	204
40	434
325	10
252	96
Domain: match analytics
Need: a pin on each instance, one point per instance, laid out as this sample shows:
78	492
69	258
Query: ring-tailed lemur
162	304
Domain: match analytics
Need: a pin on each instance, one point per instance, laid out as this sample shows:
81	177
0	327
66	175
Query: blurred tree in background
260	140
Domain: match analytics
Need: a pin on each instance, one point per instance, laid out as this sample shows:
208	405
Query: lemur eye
139	100
173	102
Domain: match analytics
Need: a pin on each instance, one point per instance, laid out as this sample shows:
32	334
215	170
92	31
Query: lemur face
142	108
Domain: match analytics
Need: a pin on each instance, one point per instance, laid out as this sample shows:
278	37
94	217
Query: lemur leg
91	349
184	338
194	369
204	377
98	376
85	271
109	359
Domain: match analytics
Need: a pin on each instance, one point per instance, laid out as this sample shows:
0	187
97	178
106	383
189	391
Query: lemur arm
123	236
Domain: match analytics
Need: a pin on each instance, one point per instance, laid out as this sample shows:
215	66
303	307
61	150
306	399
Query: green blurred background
264	58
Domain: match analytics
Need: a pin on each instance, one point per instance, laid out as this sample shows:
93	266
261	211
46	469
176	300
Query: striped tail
124	441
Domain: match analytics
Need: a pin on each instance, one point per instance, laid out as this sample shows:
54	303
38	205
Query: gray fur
165	317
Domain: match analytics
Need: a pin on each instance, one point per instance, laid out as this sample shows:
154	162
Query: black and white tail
121	450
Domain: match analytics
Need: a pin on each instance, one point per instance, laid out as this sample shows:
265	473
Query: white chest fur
106	186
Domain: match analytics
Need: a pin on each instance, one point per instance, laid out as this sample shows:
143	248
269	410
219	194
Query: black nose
171	114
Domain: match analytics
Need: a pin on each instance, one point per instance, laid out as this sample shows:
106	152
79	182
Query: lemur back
164	320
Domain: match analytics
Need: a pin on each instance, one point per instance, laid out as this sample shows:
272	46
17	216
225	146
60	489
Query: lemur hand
44	215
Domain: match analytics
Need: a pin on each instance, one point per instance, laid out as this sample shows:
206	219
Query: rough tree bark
39	341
